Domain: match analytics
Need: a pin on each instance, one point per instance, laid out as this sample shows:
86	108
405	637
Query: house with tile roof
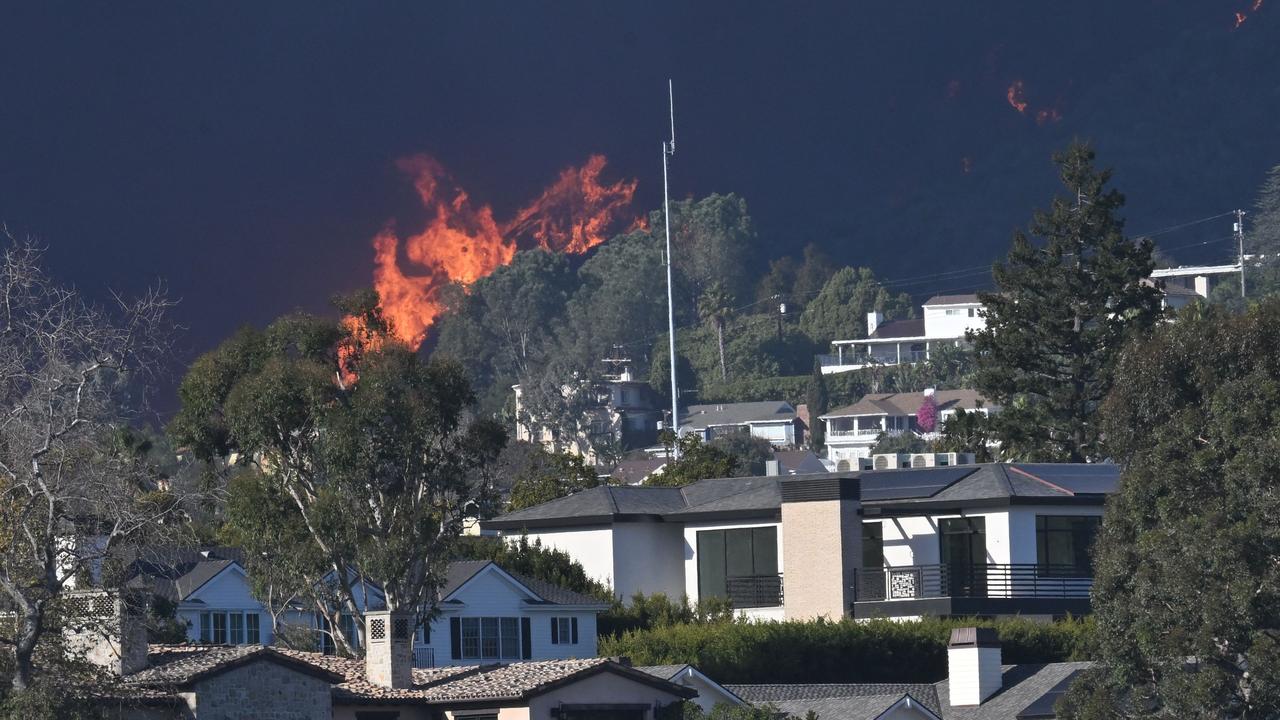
710	692
945	320
978	686
852	431
987	539
220	682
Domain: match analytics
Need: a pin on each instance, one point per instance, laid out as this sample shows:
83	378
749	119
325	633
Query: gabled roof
176	573
760	497
839	700
906	404
461	572
176	667
674	672
798	462
962	299
899	329
699	417
633	472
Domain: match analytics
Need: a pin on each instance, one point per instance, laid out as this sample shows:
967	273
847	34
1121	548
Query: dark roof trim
813	489
770	514
900	508
581	520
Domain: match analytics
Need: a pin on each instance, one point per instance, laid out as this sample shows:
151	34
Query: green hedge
840	652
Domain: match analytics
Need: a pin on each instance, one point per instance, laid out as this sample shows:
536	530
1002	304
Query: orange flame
1240	18
463	243
1015	97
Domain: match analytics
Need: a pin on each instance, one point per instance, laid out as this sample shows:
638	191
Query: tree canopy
1187	588
1059	318
360	447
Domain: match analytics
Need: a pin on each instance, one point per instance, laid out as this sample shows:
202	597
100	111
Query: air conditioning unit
890	461
923	460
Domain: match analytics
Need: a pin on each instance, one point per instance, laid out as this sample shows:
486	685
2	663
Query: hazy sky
246	155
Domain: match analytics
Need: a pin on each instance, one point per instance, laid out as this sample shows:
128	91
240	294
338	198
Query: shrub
847	651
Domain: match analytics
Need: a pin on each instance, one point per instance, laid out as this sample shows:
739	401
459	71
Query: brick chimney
388	654
821	545
106	629
973	665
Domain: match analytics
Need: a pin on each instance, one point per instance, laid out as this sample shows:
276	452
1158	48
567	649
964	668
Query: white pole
668	150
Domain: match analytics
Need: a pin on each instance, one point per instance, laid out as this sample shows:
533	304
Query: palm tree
716	307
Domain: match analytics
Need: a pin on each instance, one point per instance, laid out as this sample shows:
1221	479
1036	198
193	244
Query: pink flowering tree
927	415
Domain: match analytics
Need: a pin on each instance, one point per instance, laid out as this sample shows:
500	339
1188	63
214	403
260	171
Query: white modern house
991	539
945	320
851	431
773	420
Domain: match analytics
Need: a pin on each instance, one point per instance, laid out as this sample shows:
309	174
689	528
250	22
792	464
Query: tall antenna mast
1239	229
669	149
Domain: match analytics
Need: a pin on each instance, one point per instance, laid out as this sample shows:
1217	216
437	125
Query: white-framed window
490	638
220	627
564	631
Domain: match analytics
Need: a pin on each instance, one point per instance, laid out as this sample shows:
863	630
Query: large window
230	628
1063	543
490	638
741	554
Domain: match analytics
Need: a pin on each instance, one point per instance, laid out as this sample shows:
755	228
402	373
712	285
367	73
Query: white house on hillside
993	539
946	319
851	431
772	420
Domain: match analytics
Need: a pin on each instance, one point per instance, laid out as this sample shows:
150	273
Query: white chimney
874	319
388	655
973	665
106	629
772	467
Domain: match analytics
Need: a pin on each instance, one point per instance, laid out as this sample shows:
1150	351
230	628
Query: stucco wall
1022	527
823	540
647	558
603	688
591	547
263	690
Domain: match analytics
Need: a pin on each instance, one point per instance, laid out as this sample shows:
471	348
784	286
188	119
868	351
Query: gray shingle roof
899	329
962	299
1021	686
459	572
855	707
699	417
780	692
761	497
666	672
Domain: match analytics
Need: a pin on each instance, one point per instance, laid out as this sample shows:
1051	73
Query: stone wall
263	690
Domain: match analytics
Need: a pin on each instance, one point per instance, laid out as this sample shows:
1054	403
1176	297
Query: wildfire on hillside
1241	16
463	242
1017	100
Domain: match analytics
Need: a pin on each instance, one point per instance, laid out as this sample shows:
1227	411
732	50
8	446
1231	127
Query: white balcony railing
424	657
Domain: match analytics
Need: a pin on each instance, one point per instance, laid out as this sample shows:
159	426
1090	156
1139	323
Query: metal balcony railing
424	657
973	581
753	591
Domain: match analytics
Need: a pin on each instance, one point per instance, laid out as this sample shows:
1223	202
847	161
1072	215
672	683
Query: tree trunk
720	339
24	648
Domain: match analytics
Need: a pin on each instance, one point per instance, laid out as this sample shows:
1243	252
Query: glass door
963	552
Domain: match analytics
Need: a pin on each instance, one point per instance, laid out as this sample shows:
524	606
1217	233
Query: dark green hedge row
840	652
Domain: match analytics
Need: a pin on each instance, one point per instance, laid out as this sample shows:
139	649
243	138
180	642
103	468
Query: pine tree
818	398
1060	316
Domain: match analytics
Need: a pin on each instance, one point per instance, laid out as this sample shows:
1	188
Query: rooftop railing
754	591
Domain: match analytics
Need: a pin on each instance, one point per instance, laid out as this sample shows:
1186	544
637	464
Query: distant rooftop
700	417
906	404
965	299
899	329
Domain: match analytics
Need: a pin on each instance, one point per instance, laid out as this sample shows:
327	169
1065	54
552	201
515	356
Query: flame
1015	97
1244	15
1240	18
462	242
1048	115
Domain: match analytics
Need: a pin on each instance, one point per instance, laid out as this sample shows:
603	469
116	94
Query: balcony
869	433
990	589
754	591
424	657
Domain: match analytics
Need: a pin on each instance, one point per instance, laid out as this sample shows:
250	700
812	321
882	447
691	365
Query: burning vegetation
463	242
